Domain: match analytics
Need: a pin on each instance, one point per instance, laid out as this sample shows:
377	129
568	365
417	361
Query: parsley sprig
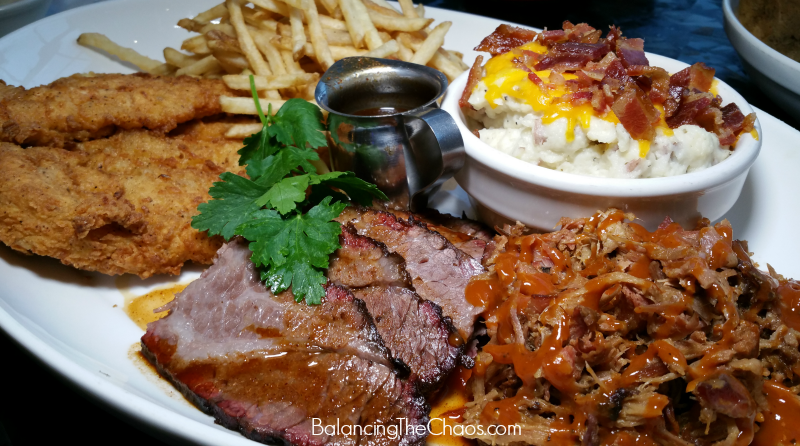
285	208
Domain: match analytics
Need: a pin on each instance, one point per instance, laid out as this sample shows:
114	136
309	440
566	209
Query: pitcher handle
436	153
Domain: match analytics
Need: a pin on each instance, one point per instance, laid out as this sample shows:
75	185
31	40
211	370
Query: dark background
39	408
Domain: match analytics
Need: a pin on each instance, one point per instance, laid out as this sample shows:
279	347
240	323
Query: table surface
687	30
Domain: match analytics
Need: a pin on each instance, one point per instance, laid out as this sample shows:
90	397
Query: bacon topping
572	55
636	113
613	74
472	80
505	38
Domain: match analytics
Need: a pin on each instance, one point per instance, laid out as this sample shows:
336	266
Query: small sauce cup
386	126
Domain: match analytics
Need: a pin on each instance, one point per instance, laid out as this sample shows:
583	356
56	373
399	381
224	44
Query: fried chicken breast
84	107
117	205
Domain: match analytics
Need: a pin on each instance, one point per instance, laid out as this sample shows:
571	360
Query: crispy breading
117	205
84	107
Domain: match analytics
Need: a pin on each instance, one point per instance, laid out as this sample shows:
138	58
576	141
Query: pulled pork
603	333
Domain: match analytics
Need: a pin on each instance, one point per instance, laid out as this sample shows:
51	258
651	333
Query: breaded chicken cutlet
117	205
85	107
104	172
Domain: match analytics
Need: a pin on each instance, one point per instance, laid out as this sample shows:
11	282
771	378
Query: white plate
73	320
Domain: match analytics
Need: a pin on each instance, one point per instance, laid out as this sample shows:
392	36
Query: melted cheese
503	79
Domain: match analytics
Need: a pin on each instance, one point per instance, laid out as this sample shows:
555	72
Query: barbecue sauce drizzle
515	288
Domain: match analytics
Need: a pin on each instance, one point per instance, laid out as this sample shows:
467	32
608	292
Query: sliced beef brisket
412	328
467	235
266	365
438	270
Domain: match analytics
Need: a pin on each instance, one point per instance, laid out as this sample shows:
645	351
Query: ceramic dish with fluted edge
778	76
506	189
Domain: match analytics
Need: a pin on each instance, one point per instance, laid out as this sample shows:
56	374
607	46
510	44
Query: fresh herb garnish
290	230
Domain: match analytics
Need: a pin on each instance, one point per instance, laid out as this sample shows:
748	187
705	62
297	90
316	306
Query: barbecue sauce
449	408
781	423
532	278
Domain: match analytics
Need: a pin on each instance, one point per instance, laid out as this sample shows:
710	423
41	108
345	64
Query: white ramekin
507	189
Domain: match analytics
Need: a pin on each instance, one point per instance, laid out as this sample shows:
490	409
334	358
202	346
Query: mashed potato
603	149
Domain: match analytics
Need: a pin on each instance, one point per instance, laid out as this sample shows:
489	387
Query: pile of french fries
288	44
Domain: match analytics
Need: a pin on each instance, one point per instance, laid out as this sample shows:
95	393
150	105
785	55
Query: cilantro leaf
298	122
257	147
270	170
234	202
285	194
293	250
357	189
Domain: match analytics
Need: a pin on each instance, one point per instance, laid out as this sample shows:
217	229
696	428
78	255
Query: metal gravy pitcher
386	126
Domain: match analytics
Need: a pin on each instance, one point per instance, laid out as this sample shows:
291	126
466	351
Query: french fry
284	30
340	52
259	19
249	49
332	23
178	59
164	69
273	6
383	7
329	5
385	37
385	50
197	45
412	41
408	8
231	62
286	44
217	12
221	27
403	52
102	42
430	46
443	63
291	65
337	14
219	41
242	130
337	37
398	23
299	4
372	37
357	19
190	25
246	106
298	33
456	57
354	26
318	42
273	55
206	65
308	92
274	82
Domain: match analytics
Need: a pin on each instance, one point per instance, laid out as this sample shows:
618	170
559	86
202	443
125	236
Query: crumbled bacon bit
505	38
606	68
636	113
572	55
631	52
472	80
